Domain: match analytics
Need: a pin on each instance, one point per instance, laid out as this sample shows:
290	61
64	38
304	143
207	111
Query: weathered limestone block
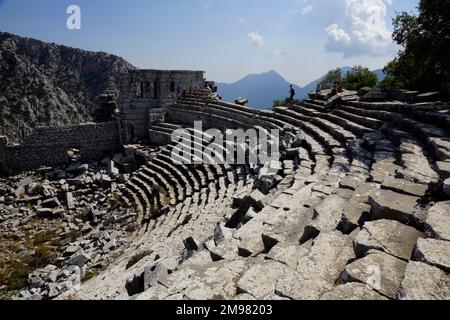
390	205
288	253
434	252
161	268
363	191
350	182
354	215
260	279
380	271
226	250
352	291
382	169
250	237
443	168
317	272
70	201
389	236
424	282
438	221
79	259
284	225
327	216
404	186
222	233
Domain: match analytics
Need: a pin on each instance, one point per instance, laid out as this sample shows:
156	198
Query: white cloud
242	19
256	39
307	9
367	33
338	35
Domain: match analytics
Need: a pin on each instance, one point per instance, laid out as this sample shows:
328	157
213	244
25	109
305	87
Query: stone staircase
358	210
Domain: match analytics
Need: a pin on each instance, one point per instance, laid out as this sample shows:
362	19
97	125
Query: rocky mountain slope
44	83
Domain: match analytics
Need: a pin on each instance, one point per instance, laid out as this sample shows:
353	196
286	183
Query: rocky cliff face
47	84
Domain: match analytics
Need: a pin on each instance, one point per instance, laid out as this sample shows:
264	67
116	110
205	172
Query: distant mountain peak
263	88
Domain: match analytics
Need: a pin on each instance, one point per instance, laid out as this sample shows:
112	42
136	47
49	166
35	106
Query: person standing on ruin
318	90
292	92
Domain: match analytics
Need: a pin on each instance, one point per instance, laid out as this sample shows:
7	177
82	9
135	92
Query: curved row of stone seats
432	137
167	181
344	217
233	111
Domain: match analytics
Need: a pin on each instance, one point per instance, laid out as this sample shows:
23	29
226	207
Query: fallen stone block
51	203
160	269
380	271
70	201
71	250
250	238
390	205
437	224
327	217
354	215
424	282
260	279
289	254
255	200
434	252
222	233
227	250
404	186
79	260
389	236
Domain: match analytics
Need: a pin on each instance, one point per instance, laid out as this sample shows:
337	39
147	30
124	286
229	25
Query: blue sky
300	39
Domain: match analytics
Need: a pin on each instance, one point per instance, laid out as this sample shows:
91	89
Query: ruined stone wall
145	95
48	146
3	143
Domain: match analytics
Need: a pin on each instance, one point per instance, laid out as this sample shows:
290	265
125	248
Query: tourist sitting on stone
334	91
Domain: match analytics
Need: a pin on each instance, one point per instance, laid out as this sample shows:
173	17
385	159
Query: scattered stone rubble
75	212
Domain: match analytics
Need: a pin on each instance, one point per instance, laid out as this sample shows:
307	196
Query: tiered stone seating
358	212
